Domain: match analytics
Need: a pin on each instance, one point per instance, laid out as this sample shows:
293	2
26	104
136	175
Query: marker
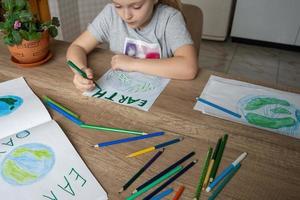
219	107
130	139
149	149
226	171
146	166
119	130
65	114
82	73
179	193
162	173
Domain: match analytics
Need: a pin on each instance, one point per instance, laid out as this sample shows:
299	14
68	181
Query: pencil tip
121	190
134	192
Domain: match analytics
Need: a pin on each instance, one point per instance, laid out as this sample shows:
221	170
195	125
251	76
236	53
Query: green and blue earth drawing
271	113
27	164
9	103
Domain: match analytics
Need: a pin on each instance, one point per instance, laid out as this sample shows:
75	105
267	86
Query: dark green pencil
82	73
218	158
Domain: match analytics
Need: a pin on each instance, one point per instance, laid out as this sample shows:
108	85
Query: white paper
259	106
37	161
47	167
132	88
129	88
29	113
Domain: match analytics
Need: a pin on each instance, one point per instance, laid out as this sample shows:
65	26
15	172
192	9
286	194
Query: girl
134	26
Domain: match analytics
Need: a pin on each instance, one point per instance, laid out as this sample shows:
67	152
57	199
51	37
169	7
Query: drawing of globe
8	104
27	164
271	113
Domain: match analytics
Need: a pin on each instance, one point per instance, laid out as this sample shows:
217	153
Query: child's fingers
89	73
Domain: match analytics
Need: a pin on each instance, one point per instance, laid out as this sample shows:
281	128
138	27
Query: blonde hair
173	3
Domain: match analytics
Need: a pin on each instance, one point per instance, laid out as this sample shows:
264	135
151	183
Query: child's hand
84	84
122	62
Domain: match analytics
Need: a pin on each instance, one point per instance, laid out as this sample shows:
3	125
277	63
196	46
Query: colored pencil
178	193
155	183
219	107
82	73
178	162
218	158
60	106
224	183
211	163
226	171
130	139
104	128
163	194
65	114
149	149
172	179
202	174
146	166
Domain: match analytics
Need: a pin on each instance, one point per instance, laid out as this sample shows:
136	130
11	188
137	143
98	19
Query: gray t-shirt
166	28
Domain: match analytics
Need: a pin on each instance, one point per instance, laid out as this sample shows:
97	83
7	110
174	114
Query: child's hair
173	3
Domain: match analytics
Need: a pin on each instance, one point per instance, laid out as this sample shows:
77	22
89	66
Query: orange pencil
178	193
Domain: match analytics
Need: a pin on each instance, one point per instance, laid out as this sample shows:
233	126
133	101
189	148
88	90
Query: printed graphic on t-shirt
141	49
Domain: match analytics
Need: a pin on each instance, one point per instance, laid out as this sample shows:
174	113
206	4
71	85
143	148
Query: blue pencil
224	183
65	114
226	171
219	107
130	139
163	194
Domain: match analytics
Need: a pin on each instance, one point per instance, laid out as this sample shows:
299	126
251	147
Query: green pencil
223	183
218	158
153	184
203	174
60	106
82	73
104	128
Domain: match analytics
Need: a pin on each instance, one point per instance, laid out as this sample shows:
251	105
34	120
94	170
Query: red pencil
178	193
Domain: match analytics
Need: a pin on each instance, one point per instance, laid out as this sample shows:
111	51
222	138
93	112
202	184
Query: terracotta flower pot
31	51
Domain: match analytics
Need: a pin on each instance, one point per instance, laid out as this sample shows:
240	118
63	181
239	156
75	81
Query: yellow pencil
154	147
211	163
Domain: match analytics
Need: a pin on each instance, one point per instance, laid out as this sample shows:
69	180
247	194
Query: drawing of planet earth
27	164
132	82
272	113
8	104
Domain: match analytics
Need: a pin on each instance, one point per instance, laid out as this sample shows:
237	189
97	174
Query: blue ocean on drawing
27	164
9	103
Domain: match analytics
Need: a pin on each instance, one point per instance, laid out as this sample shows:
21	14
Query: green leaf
55	21
34	36
53	31
24	34
2	26
8	5
16	37
20	4
25	16
8	39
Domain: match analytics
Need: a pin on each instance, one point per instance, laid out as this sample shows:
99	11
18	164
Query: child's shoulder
164	9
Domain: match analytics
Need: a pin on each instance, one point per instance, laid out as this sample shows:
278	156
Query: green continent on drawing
257	103
27	164
267	122
271	113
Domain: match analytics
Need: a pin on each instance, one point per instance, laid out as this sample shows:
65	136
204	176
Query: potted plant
27	38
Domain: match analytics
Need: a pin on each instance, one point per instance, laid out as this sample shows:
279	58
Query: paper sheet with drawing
39	162
259	106
132	88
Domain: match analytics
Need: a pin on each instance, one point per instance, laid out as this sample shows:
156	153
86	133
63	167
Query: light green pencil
119	130
203	174
154	183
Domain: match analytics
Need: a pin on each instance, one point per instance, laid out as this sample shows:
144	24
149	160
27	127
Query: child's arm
183	65
77	53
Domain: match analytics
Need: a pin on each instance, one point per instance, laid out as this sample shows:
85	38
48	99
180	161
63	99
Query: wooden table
271	170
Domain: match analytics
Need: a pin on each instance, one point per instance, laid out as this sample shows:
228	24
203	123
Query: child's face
136	13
